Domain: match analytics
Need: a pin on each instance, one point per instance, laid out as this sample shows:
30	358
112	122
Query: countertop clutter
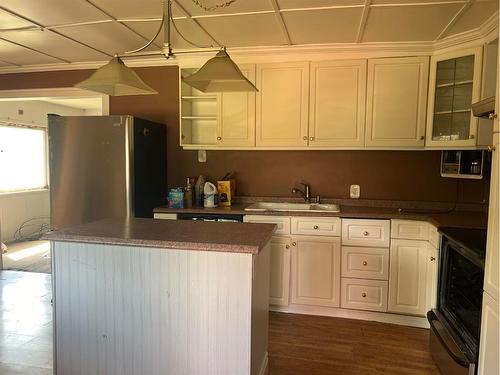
168	234
438	217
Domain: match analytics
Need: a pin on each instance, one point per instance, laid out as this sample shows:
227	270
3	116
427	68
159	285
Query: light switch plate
202	156
355	191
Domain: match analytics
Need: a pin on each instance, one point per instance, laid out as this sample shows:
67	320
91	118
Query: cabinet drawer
410	230
164	216
282	222
356	232
364	294
434	238
328	226
365	263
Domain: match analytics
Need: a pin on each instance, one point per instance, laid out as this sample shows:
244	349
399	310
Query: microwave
462	164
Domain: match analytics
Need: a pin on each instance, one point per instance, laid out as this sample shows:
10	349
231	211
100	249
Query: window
23	162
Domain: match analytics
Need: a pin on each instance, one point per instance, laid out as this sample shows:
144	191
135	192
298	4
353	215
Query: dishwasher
232	218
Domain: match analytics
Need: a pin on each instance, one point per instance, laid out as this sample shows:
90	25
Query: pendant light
116	79
219	74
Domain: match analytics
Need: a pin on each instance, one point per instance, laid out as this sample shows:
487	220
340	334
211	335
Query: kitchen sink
294	207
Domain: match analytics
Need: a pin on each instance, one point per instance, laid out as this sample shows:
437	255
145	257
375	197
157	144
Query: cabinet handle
365	263
422	137
219	138
294	243
492	116
363	295
304	137
287	246
316	227
471	136
491	148
433	259
311	138
365	233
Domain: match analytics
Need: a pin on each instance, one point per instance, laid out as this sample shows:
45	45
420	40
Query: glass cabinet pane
462	97
464	70
441	129
460	125
445	72
444	99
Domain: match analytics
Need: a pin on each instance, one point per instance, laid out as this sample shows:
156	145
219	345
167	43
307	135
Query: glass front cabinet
455	83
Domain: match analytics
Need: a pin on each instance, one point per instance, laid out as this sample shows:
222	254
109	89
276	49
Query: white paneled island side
144	296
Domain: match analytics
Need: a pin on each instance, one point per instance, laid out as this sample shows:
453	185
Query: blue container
176	198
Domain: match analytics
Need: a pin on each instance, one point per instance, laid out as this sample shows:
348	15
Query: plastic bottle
210	195
188	194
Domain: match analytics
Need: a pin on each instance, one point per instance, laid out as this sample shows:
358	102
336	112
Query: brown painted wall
398	175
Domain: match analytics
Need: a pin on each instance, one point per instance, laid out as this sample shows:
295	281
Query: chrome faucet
305	194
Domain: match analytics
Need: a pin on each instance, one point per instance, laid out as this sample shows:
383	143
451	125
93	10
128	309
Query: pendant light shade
116	79
219	74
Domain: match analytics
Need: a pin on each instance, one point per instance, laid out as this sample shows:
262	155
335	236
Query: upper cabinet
455	82
282	104
337	103
217	120
396	102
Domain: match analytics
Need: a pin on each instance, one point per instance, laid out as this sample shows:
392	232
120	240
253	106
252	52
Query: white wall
16	208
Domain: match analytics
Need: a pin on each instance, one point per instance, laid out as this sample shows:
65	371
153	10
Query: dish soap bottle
198	191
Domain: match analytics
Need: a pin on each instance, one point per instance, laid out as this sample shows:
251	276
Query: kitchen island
144	296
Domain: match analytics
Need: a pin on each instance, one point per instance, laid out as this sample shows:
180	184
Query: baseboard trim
405	320
264	366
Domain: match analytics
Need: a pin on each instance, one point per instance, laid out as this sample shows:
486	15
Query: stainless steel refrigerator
105	166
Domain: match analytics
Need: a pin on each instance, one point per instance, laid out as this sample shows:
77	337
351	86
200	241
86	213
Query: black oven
455	323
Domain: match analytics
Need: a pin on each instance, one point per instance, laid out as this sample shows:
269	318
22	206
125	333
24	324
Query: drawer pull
365	263
365	233
287	246
294	243
433	259
363	295
316	227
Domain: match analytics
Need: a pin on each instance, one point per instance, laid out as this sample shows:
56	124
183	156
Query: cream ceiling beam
10	63
121	23
362	22
454	20
187	15
34	50
42	27
423	3
281	22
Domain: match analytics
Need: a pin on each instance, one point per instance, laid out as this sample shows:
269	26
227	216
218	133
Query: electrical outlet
355	191
202	156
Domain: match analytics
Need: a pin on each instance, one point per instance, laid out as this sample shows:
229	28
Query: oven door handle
431	317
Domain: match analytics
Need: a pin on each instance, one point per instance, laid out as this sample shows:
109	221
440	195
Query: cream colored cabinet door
316	271
337	103
280	271
396	102
489	362
432	277
454	84
408	277
236	126
282	104
491	272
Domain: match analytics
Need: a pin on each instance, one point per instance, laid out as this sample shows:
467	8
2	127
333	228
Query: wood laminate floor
298	344
312	345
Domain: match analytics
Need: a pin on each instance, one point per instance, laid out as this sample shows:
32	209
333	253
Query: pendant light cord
182	35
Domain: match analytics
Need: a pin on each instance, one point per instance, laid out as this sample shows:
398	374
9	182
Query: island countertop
170	234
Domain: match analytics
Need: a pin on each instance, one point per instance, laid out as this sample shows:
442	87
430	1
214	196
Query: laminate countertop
439	218
170	234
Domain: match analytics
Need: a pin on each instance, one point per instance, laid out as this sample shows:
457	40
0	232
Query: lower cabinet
362	294
432	277
280	271
315	271
408	277
489	343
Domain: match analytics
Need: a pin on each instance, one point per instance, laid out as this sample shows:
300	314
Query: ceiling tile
325	26
408	23
241	6
55	12
107	37
187	27
475	16
21	56
296	4
8	21
55	45
5	64
242	31
131	8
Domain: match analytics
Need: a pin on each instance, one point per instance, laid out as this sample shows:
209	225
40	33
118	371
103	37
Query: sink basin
294	207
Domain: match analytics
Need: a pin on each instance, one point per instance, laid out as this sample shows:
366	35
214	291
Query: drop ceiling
73	31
